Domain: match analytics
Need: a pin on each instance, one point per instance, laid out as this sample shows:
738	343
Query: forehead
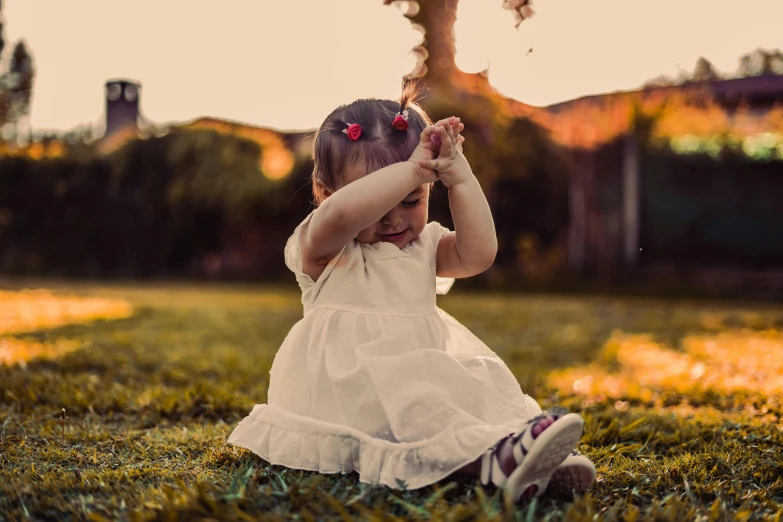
354	171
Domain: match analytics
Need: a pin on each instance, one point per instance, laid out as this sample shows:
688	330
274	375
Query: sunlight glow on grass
31	310
639	369
14	351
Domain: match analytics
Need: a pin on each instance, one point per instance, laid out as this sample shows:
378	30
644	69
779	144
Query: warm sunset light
276	159
724	363
287	64
17	351
32	310
28	311
227	290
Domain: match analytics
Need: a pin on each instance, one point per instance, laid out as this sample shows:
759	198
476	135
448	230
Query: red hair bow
401	121
354	131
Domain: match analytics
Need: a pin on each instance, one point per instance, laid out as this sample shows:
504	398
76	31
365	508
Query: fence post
631	199
578	215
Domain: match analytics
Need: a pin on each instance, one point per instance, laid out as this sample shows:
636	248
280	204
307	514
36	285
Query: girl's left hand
457	127
451	165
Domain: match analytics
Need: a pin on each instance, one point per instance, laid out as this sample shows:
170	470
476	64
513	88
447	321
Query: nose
392	218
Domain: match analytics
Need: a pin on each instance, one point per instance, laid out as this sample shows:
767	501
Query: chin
398	239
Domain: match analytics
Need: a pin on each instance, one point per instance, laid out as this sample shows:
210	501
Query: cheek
418	215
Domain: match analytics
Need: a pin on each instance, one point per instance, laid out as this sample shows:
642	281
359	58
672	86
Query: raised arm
359	204
472	247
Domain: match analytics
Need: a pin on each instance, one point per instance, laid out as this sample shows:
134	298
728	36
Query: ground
116	402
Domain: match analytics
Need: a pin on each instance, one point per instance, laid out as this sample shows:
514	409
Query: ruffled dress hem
313	445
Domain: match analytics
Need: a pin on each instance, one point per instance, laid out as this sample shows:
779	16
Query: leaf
402	484
629	427
411	507
239	483
439	493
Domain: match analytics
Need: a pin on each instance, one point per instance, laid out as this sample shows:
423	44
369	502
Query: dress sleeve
293	256
436	232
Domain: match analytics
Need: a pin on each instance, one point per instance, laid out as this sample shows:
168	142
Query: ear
321	192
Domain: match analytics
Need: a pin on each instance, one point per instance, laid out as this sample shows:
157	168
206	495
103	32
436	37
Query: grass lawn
116	402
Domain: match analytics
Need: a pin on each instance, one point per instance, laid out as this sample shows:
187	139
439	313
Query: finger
433	164
460	141
428	132
430	137
445	122
450	134
448	140
444	138
444	134
454	130
455	125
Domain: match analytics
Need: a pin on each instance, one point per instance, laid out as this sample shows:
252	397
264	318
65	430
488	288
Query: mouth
393	237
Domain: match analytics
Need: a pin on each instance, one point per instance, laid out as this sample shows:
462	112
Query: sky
286	64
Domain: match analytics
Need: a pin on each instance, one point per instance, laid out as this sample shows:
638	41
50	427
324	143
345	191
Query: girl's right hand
427	149
451	166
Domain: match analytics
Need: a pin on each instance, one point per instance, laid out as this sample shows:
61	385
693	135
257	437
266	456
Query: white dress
375	378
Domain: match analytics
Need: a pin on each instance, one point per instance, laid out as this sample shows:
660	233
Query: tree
2	39
516	161
16	84
662	80
705	71
21	72
761	62
435	18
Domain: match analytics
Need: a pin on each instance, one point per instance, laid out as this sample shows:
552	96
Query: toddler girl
375	378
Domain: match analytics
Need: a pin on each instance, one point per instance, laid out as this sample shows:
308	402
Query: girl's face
400	225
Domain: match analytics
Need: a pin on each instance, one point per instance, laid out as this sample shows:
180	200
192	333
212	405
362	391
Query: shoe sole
549	450
576	473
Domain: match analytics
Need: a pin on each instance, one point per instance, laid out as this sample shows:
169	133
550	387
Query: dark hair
380	144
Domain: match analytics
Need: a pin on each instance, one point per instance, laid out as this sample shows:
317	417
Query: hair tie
354	131
401	120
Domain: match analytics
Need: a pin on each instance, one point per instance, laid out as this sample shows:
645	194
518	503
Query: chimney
122	106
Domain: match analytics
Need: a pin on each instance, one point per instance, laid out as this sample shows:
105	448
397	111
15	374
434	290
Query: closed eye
409	204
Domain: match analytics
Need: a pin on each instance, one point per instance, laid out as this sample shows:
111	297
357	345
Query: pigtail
412	90
408	90
375	143
406	94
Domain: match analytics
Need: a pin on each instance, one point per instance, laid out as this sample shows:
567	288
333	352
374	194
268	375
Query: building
122	106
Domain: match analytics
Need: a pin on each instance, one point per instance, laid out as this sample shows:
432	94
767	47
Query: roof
768	85
123	80
765	85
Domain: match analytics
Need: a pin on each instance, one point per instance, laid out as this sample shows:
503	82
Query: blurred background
620	148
